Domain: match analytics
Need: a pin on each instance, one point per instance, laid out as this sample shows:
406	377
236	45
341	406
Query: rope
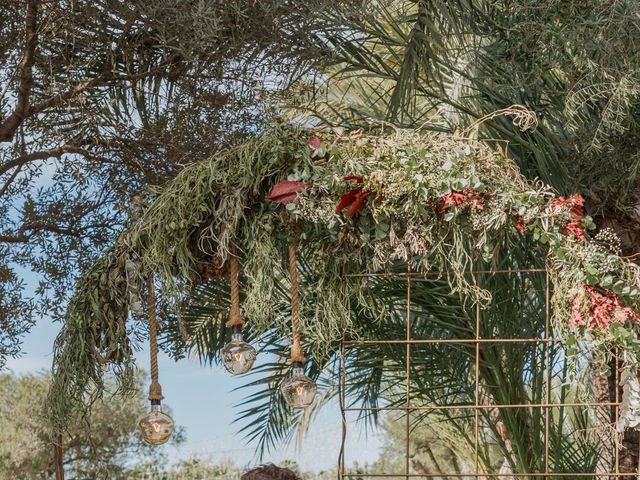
59	457
297	354
155	390
234	315
523	118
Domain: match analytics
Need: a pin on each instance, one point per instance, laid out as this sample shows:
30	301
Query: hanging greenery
356	202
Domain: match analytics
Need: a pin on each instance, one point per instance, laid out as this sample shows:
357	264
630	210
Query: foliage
438	201
439	65
100	99
100	444
443	375
511	439
444	64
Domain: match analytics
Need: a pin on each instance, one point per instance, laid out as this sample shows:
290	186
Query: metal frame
477	405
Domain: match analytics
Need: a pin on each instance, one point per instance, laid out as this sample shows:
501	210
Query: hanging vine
356	202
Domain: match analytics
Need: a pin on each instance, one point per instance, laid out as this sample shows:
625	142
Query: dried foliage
100	99
438	202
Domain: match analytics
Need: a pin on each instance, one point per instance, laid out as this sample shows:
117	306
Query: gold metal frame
477	406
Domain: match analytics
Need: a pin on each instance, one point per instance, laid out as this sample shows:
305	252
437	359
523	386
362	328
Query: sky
202	400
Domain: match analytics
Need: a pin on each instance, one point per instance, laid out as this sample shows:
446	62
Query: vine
357	202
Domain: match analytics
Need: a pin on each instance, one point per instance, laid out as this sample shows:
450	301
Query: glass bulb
298	390
237	355
156	427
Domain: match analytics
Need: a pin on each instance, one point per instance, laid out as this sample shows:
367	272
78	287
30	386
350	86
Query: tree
102	444
445	65
100	100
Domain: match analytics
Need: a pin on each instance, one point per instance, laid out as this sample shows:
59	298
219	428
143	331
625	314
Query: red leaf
355	207
286	191
314	142
359	204
347	199
363	195
357	178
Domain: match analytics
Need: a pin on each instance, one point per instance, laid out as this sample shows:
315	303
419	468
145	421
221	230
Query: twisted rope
523	118
155	390
297	354
234	315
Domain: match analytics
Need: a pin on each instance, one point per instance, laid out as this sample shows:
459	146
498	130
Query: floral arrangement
594	309
356	202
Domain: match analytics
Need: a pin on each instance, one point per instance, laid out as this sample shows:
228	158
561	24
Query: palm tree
512	440
445	65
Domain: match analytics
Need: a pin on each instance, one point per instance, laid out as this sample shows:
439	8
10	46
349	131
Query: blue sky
202	400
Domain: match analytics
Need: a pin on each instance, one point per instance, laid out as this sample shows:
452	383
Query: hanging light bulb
237	355
156	427
298	390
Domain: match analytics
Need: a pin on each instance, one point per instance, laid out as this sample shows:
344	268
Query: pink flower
315	143
468	197
598	309
575	229
574	204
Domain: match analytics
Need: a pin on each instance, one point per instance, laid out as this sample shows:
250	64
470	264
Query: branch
46	154
103	79
24	110
13	121
23	237
10	180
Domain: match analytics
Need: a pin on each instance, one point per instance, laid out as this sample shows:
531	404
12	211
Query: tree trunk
628	230
59	458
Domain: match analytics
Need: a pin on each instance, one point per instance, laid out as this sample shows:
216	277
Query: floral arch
354	202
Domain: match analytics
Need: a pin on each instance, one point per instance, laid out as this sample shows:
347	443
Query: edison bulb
156	427
298	390
237	355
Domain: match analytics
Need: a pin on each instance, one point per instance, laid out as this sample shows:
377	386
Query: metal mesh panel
546	407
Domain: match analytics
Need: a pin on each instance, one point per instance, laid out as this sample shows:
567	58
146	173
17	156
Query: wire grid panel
478	404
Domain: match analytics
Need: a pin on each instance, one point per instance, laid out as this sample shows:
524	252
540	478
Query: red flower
286	191
314	144
574	204
449	200
521	223
474	199
577	204
599	309
355	198
575	229
468	196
